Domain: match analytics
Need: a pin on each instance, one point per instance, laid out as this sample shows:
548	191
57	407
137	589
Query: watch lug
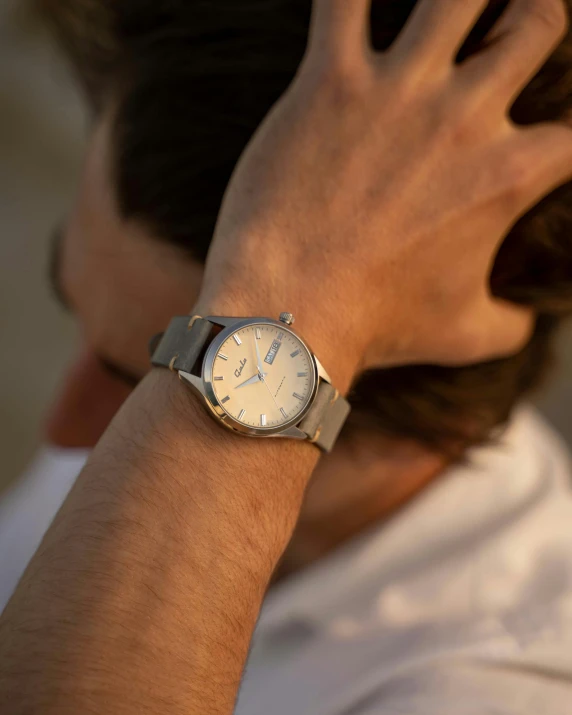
194	381
222	321
322	374
293	433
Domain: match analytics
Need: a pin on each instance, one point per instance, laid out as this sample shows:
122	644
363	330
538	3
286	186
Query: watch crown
287	318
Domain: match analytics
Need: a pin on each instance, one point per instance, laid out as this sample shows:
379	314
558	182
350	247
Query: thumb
506	328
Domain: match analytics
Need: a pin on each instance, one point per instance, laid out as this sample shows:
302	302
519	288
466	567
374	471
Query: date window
274	348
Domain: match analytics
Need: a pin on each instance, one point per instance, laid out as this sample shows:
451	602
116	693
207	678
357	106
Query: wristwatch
256	376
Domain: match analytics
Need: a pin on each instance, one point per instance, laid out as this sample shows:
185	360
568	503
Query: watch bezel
210	394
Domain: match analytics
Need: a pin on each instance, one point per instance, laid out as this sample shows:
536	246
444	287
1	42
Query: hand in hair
387	182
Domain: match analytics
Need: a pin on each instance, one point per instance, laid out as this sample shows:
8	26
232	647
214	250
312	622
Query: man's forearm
146	589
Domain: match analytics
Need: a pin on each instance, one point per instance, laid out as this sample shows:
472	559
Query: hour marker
219	378
222	356
241	415
302	374
263	420
284	413
237	340
297	396
295	353
280	336
226	399
258	334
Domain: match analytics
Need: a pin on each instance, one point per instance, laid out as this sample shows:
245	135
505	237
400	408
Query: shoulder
489	616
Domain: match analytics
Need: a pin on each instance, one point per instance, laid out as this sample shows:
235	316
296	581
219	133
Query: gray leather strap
327	416
180	346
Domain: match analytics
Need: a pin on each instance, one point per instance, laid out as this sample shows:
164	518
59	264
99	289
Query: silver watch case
204	384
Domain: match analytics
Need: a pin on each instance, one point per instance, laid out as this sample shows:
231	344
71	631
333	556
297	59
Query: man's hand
375	196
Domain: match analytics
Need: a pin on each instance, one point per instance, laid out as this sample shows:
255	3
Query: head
177	89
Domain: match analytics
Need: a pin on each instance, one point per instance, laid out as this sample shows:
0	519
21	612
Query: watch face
263	376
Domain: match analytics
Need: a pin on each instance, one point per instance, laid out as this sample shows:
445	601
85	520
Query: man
379	189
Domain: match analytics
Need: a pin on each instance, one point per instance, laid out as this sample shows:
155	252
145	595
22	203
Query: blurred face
123	286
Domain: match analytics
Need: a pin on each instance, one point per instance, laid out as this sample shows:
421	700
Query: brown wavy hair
193	79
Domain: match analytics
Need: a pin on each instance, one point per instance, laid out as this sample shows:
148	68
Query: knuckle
517	176
460	127
552	15
465	132
345	81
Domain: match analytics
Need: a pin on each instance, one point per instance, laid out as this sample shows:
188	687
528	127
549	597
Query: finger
438	28
518	46
339	28
541	161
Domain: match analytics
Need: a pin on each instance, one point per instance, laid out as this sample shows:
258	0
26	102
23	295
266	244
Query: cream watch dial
263	376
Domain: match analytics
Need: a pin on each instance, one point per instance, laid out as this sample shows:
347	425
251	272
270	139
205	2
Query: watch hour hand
251	381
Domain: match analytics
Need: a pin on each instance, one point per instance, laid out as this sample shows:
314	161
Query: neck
363	482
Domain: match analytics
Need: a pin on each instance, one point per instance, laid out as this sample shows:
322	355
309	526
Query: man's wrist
169	431
331	338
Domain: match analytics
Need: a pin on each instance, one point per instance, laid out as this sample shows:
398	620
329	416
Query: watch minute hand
258	358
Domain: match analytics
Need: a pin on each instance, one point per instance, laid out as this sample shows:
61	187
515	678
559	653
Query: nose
87	401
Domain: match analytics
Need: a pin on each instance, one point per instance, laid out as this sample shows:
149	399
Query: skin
105	613
110	273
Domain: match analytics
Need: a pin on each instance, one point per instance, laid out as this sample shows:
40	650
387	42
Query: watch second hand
269	390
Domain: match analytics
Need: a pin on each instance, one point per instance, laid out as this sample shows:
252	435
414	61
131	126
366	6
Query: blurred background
42	130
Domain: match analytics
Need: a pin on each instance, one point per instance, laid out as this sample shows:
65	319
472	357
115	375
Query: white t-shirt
461	604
